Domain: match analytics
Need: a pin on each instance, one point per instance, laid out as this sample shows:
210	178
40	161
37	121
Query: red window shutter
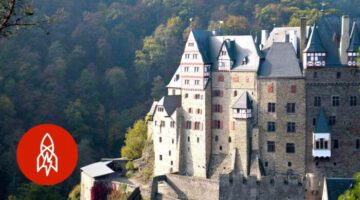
212	93
221	93
233	125
270	88
220	108
213	124
201	126
192	125
293	89
221	124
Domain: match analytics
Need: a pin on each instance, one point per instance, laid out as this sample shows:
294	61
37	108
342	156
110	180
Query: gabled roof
202	41
230	48
315	44
280	61
97	169
170	103
152	109
244	102
321	123
175	81
337	186
354	39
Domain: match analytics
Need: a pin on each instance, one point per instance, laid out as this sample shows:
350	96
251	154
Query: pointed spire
354	39
321	123
314	44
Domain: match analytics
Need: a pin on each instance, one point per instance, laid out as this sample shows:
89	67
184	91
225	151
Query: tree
158	89
75	193
135	139
235	25
354	192
30	191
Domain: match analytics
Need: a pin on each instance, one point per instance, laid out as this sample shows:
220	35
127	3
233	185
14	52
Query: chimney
302	37
264	37
344	38
293	40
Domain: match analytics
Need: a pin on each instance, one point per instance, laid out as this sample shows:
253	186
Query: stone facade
278	92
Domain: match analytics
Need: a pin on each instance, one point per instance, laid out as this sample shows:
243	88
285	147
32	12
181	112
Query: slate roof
175	81
170	103
244	46
354	39
337	186
314	43
280	61
202	41
97	169
321	123
244	102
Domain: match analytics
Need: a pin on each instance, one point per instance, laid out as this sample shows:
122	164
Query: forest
96	69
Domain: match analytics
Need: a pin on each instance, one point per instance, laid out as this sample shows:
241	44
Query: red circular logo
47	154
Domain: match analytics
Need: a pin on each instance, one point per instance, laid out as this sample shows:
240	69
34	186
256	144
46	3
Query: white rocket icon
47	158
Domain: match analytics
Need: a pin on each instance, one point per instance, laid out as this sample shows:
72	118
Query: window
169	153
293	88
196	69
314	121
172	141
353	101
270	88
162	123
160	139
188	125
244	60
188	138
186	95
171	163
290	108
321	144
197	125
160	109
190	44
160	157
217	93
155	122
315	75
338	75
187	56
217	108
190	110
291	127
235	93
216	138
197	96
223	53
198	111
198	139
195	56
187	82
220	147
335	101
229	139
266	164
336	144
332	120
271	107
290	148
271	146
357	143
317	101
197	82
271	127
217	124
172	124
220	78
186	69
289	164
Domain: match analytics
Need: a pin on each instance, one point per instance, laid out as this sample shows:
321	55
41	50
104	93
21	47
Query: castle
284	105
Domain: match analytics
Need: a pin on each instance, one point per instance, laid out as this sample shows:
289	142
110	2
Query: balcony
242	113
321	153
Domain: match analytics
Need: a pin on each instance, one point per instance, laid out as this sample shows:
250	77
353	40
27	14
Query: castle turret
321	137
354	45
315	53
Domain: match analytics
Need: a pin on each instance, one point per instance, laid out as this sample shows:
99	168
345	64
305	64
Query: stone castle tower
287	106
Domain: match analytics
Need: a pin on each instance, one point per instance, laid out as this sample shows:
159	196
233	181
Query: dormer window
190	44
245	60
223	53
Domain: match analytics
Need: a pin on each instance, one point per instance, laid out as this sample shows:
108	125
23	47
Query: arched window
229	139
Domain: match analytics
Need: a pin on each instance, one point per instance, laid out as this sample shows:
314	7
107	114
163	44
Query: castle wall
166	141
278	91
347	127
